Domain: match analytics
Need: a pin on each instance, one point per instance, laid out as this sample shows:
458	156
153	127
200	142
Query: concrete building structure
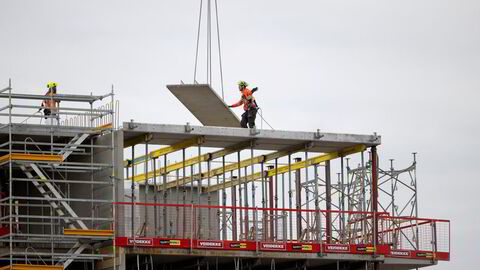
88	193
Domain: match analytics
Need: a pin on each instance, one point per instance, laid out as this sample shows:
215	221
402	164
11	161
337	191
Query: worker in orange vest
249	105
50	106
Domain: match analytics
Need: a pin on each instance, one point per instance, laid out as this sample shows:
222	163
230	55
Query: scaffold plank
31	157
104	127
31	267
88	232
202	101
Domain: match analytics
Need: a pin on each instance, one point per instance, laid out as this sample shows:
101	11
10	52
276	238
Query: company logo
400	253
140	242
425	254
302	247
210	244
238	245
273	246
170	242
337	248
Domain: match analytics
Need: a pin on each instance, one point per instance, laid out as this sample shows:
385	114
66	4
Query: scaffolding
58	181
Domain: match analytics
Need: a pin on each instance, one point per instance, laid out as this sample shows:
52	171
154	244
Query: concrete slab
264	140
204	103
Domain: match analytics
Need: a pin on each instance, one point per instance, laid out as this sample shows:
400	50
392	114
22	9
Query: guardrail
278	229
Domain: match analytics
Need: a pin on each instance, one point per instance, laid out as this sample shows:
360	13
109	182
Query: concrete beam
274	140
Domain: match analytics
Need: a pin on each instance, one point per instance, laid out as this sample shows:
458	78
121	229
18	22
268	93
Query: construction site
83	189
200	197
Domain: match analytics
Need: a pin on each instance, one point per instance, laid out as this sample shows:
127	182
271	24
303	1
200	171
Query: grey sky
408	70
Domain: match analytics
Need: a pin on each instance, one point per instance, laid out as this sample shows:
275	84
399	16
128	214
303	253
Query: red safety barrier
148	225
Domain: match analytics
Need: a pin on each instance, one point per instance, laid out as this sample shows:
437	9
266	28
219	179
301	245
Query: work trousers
249	117
52	118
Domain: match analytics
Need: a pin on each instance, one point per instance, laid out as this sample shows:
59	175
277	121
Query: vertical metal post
284	213
165	194
290	197
177	195
276	200
209	200
146	187
224	202
328	201
270	201
393	184
184	192
155	191
307	199
245	196
375	193
10	173
343	228
264	202
234	204
364	198
417	243
298	200
240	192
317	206
199	190
133	191
255	225
192	192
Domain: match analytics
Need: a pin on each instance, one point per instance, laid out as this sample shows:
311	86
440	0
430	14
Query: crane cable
198	41
209	51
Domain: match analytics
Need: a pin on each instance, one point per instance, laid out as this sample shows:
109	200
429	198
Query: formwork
203	197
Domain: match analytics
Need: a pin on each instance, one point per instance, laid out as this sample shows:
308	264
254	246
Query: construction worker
50	106
249	105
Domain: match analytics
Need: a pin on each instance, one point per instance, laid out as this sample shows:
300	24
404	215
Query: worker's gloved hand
254	89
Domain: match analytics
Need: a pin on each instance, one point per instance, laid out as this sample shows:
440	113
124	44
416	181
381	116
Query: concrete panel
202	101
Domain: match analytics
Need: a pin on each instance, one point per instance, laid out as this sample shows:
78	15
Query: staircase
73	145
50	191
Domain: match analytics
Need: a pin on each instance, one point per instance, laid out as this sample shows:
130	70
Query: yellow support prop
194	160
293	166
234	166
166	150
88	232
32	157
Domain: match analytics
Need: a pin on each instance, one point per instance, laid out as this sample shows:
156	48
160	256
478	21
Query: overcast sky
409	70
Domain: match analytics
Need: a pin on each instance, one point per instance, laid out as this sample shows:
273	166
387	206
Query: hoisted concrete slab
204	103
